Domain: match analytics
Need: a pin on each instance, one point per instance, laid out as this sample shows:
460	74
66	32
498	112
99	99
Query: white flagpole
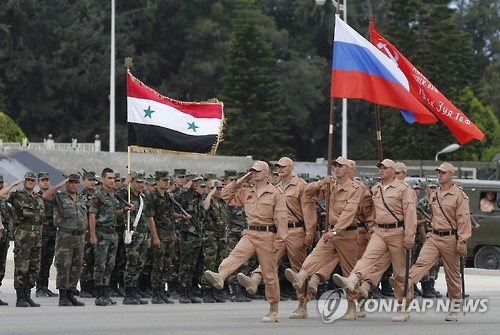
112	83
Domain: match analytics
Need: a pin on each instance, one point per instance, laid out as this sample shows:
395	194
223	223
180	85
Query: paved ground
238	318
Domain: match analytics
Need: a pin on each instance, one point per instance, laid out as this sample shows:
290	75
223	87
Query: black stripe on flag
164	138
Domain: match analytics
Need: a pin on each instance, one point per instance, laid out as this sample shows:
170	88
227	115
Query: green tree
9	130
256	118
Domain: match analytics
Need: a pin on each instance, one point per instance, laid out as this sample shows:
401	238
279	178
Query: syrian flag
157	123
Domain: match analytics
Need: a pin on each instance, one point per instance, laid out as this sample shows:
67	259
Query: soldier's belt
31	227
442	233
107	230
361	224
48	228
263	228
74	232
295	224
390	225
348	228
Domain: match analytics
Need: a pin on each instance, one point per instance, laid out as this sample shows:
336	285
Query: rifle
427	216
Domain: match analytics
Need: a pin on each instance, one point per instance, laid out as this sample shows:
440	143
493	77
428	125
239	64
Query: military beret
43	175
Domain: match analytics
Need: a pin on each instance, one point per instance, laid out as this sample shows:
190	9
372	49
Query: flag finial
128	62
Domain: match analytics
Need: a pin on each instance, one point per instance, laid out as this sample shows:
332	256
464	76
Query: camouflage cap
89	175
43	175
74	177
230	174
274	169
139	176
240	174
1	177
162	174
304	176
30	175
193	177
209	176
117	175
150	180
179	172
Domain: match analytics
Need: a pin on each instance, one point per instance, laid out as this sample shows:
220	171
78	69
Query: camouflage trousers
213	250
104	255
4	248
47	253
121	258
69	259
87	273
190	248
27	248
136	253
161	268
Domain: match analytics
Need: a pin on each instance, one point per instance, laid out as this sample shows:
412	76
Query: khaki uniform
441	242
302	218
267	211
387	235
344	202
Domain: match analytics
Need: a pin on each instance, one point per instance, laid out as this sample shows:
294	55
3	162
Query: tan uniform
487	206
267	211
441	242
302	218
387	235
344	202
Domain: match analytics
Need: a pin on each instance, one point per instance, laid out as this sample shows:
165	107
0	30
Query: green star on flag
192	126
148	112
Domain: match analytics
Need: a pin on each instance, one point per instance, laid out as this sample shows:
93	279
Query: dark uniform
87	285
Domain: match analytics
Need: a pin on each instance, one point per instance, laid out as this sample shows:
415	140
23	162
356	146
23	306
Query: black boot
436	293
165	296
129	297
426	290
3	303
138	297
27	295
101	299
217	295
71	297
106	295
207	296
42	289
236	295
84	289
173	288
21	298
63	298
416	291
192	296
386	288
156	299
183	298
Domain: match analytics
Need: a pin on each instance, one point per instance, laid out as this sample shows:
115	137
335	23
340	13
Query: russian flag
361	71
157	123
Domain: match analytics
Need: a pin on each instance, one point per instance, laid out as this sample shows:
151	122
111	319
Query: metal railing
49	144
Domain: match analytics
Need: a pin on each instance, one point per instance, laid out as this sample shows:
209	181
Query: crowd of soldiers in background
177	235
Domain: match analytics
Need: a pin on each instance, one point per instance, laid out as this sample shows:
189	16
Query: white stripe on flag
168	117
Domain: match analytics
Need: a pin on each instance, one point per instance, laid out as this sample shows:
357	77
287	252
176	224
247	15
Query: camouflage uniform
161	209
116	279
190	239
87	273
70	218
104	206
49	232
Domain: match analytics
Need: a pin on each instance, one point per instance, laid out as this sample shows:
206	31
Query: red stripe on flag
136	89
360	85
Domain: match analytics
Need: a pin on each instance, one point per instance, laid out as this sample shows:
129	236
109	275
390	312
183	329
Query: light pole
343	7
112	83
448	149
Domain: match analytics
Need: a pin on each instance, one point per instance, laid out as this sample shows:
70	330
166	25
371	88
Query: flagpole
329	164
112	83
128	187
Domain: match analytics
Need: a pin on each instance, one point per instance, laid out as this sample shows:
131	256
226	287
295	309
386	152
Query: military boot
301	311
437	294
3	303
350	314
273	314
207	296
101	299
106	295
191	296
165	296
360	309
453	311
402	314
129	297
27	296
84	290
156	298
216	279
426	290
21	298
249	283
183	298
314	281
40	289
346	283
364	289
63	298
236	295
71	297
387	289
217	294
297	279
173	288
137	296
417	292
